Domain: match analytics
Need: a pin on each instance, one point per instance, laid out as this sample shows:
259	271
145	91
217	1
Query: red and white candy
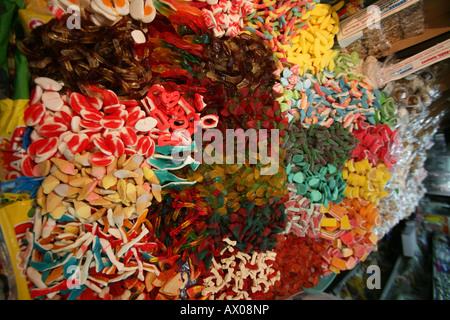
66	124
226	17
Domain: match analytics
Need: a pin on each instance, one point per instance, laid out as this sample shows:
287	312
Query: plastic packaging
15	223
373	30
416	124
35	14
12	105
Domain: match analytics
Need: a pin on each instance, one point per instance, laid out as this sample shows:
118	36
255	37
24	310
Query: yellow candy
368	186
348	192
337	6
372	175
320	20
350	165
312	47
308	36
306	15
344	174
358	168
355	192
365	181
380	175
328	222
317	47
324	209
335	30
366	164
335	17
331	65
324	22
387	176
352	178
319	11
361	180
345	223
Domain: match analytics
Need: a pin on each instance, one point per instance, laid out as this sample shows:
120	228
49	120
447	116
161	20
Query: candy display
203	150
328	99
319	145
303	216
226	18
375	144
416	125
365	180
300	264
238	275
348	229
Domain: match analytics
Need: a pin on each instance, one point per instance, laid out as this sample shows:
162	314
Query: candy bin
187	150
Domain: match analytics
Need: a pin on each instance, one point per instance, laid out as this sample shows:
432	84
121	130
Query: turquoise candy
331	169
288	168
290	178
314	182
301	189
299	177
297	159
335	194
332	183
316	196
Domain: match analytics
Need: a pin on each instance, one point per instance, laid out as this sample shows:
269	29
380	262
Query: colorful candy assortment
278	22
328	99
348	231
144	78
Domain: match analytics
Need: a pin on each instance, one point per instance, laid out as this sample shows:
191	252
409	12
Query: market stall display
169	149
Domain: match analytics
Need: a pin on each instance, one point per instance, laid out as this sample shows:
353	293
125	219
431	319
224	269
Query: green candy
288	168
299	177
288	94
315	196
335	194
301	189
314	182
297	159
332	183
290	177
284	107
331	169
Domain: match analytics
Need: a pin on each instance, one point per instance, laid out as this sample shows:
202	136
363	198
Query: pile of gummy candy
123	132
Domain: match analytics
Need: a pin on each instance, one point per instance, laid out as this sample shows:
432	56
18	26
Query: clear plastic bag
417	124
373	31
